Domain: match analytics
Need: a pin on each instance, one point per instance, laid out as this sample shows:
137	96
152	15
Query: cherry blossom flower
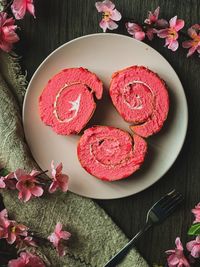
26	260
19	8
4	224
196	212
27	185
194	247
8	35
176	256
153	19
57	237
153	23
171	34
60	180
135	30
110	15
194	44
8	181
15	230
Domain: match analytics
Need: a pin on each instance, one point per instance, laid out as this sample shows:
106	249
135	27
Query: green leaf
194	229
3	172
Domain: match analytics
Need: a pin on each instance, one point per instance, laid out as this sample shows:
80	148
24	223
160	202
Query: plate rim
141	43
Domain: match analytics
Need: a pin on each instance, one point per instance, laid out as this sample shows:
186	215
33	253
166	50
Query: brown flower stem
43	172
8	5
38	238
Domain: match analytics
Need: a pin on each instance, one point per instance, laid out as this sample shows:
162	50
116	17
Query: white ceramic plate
105	54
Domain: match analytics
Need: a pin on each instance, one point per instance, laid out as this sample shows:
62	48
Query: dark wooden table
62	20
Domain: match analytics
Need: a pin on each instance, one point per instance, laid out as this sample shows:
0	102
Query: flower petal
190	245
179	244
19	173
25	195
150	34
162	33
59	168
11	238
37	191
53	187
196	251
172	260
104	6
65	235
109	4
18	8
192	32
112	25
60	250
187	44
115	15
63	182
191	51
31	8
179	24
54	239
173	45
139	36
156	12
172	22
58	227
2	184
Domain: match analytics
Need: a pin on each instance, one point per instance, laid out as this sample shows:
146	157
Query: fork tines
167	204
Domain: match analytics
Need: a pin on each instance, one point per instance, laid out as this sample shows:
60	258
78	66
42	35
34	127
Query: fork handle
122	253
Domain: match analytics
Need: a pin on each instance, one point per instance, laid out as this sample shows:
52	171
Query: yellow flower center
172	33
13	229
196	40
106	15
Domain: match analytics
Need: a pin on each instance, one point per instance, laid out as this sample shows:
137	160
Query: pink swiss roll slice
141	98
67	101
109	153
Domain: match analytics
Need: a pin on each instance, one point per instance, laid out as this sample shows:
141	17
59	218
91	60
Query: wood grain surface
63	20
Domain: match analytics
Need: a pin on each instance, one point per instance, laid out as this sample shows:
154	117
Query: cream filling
127	157
75	105
138	105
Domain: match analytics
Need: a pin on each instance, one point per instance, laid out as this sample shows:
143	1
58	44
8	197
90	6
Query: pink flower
171	33
152	21
27	185
4	224
194	44
56	238
19	8
135	30
26	259
15	230
8	35
196	212
194	247
110	14
10	229
60	180
8	181
25	242
176	256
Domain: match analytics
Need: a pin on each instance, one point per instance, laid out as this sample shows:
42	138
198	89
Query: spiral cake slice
141	98
67	103
109	153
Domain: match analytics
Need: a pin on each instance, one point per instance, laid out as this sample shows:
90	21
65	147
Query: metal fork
157	213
